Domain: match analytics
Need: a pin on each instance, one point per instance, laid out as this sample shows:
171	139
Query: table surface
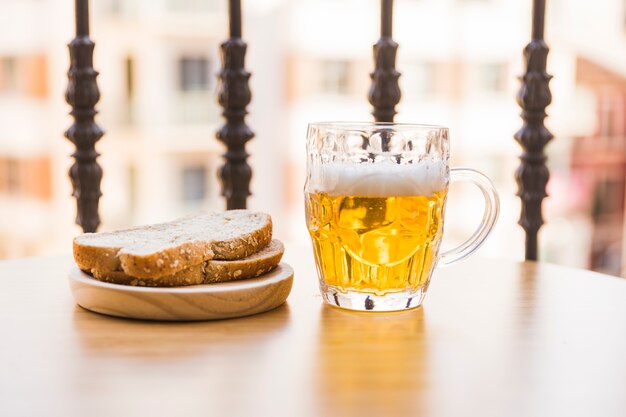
494	338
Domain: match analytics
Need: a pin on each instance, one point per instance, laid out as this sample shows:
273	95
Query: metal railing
234	96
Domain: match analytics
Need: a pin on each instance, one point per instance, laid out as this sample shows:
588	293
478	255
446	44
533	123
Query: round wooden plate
195	302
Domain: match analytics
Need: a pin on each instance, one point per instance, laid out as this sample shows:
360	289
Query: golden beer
375	245
375	197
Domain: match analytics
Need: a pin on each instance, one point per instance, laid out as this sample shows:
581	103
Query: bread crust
252	266
207	272
106	259
193	275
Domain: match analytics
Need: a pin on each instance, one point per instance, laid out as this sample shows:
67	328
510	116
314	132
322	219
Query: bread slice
207	272
164	249
254	265
193	275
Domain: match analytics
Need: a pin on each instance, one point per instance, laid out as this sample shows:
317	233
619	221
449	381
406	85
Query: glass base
362	301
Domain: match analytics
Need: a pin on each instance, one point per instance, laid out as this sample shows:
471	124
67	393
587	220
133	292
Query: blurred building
158	62
455	72
459	60
310	61
599	161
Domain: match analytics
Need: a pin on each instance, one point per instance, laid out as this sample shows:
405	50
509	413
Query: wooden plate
195	302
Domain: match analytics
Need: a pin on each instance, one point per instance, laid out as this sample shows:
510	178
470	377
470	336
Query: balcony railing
234	95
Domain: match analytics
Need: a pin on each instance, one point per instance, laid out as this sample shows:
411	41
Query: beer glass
375	199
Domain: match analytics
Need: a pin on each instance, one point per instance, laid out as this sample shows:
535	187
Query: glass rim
374	125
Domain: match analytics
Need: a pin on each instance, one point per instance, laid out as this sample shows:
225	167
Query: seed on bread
209	271
160	250
265	260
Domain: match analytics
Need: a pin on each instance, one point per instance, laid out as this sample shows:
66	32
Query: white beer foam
380	179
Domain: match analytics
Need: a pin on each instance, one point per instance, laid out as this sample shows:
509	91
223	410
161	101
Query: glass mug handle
492	209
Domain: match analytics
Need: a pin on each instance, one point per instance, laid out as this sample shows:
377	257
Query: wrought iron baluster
384	92
533	97
234	95
83	94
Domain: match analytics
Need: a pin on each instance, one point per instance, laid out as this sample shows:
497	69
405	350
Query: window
194	103
27	177
129	76
419	77
608	197
13	176
194	183
194	73
492	77
33	79
132	188
606	117
118	9
128	110
112	7
335	77
24	75
193	5
8	74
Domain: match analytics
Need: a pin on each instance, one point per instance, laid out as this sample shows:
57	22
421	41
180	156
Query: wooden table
494	338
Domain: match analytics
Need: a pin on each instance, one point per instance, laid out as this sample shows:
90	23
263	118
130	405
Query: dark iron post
83	94
384	92
234	95
533	97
